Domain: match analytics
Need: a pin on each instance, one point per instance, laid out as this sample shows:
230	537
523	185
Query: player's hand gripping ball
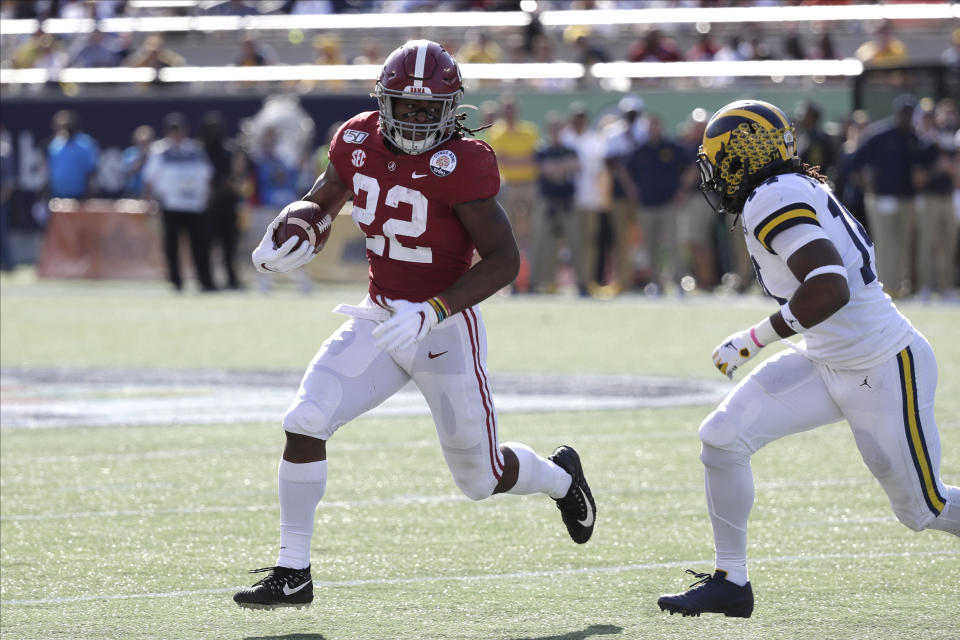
307	222
293	238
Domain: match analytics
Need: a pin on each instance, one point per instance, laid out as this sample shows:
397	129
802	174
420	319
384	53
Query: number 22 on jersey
387	245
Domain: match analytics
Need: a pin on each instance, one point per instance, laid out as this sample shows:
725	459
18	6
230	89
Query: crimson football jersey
403	203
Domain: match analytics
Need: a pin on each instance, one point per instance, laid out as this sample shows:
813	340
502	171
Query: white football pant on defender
889	408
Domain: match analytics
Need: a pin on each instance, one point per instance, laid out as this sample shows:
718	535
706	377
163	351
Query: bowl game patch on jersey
443	162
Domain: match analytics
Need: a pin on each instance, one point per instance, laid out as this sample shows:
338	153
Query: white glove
409	324
270	259
734	351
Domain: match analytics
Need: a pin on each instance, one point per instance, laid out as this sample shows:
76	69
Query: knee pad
719	429
307	418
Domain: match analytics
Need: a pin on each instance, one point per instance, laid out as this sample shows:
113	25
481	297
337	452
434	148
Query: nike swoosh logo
432	355
588	521
287	591
418	175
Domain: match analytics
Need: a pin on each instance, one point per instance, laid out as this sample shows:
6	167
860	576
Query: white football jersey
788	211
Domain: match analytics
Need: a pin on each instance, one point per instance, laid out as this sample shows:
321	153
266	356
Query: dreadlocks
460	130
813	172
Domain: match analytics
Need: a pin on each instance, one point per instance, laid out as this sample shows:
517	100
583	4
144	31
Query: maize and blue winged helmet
744	143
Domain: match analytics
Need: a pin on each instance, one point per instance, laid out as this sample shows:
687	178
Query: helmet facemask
711	187
414	137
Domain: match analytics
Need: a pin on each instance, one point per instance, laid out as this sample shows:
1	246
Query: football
304	220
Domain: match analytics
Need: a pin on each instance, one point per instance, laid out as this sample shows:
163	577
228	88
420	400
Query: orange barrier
102	239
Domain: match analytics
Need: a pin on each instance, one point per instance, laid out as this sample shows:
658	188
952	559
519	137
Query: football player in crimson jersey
423	194
860	359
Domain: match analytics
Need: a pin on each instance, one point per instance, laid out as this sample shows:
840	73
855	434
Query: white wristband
830	268
763	333
791	319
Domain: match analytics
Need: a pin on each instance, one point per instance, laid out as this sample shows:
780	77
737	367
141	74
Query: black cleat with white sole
283	587
710	594
577	508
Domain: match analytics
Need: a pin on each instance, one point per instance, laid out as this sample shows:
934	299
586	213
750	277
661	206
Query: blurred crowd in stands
874	43
601	203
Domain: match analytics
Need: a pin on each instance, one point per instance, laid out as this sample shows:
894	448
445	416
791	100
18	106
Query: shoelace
703	578
272	580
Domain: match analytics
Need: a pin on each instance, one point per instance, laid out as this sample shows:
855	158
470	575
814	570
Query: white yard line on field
503	576
381	502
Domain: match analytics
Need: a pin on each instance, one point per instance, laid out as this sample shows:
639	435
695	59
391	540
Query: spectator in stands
277	185
155	54
621	139
654	47
328	49
135	159
951	55
515	142
824	49
178	175
310	7
933	177
661	172
8	185
883	49
814	146
705	48
224	200
793	48
369	52
71	158
479	48
884	163
544	53
95	50
41	51
233	8
734	50
591	185
554	216
588	52
489	112
848	186
255	54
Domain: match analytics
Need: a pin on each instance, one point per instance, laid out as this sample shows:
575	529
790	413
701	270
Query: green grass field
116	532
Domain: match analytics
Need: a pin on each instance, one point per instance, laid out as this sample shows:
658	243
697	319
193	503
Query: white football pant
349	375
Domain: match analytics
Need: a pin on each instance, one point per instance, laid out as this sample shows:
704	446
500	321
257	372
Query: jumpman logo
865	383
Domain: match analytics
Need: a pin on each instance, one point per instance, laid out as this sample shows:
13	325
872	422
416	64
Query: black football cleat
710	594
577	508
283	587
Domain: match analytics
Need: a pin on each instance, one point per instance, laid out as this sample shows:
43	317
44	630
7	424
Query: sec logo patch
442	163
358	157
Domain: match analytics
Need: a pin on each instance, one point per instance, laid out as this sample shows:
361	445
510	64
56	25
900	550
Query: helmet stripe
421	63
771	113
727	123
767	119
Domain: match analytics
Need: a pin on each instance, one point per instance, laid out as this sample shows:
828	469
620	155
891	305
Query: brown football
304	220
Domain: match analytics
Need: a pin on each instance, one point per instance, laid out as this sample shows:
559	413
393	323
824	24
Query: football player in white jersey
859	360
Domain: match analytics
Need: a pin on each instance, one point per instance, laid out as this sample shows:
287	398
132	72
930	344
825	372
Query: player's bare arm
329	192
488	226
818	297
